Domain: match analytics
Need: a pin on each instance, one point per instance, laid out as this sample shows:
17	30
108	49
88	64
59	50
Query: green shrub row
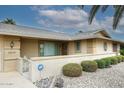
75	70
107	62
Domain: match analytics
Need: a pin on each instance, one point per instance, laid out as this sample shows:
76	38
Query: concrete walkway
14	80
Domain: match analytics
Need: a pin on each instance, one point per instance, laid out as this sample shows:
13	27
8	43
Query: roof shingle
23	31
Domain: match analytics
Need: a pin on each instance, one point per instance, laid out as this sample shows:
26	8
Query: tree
118	13
9	21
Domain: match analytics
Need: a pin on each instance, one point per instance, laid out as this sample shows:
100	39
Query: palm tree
9	21
118	13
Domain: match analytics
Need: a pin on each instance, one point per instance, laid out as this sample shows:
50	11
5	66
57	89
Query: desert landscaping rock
103	78
44	83
58	82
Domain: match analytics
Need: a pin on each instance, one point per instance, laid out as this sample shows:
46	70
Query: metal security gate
23	67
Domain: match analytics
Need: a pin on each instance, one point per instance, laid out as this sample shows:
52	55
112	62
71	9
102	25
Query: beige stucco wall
71	47
97	47
53	65
118	48
29	47
10	55
100	46
1	52
84	46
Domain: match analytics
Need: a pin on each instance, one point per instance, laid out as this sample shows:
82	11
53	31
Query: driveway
14	80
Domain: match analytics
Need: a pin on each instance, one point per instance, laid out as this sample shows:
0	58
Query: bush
114	60
101	63
72	70
89	66
122	52
107	62
120	58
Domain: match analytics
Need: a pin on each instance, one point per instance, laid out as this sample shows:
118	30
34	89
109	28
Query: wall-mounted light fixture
12	44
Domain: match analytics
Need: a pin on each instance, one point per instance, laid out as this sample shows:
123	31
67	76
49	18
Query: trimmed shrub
89	66
72	70
122	52
119	58
114	60
107	62
122	58
101	63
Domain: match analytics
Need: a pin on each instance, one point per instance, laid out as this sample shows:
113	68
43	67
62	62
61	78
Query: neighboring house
19	41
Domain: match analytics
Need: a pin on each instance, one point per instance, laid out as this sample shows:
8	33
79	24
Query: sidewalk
14	80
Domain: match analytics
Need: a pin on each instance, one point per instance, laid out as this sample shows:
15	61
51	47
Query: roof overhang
21	31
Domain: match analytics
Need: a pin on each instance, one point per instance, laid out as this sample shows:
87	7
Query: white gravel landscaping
103	78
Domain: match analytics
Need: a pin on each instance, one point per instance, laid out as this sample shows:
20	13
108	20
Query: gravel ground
103	78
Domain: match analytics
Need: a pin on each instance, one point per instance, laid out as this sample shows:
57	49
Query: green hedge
72	70
89	66
120	58
75	70
107	62
114	60
101	64
122	52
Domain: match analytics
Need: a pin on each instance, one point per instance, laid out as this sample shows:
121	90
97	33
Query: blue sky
69	19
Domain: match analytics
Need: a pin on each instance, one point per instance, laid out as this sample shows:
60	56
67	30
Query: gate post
20	65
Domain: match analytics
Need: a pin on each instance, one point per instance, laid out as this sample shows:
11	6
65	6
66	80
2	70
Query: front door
64	49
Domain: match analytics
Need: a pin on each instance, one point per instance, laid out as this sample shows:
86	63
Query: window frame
41	47
78	46
115	47
105	46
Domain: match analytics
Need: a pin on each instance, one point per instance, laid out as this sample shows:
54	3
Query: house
19	41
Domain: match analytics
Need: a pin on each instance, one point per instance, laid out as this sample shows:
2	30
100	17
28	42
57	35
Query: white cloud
65	19
107	24
71	19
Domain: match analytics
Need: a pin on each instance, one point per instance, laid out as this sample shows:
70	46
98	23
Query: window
41	49
114	47
77	44
49	49
105	46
